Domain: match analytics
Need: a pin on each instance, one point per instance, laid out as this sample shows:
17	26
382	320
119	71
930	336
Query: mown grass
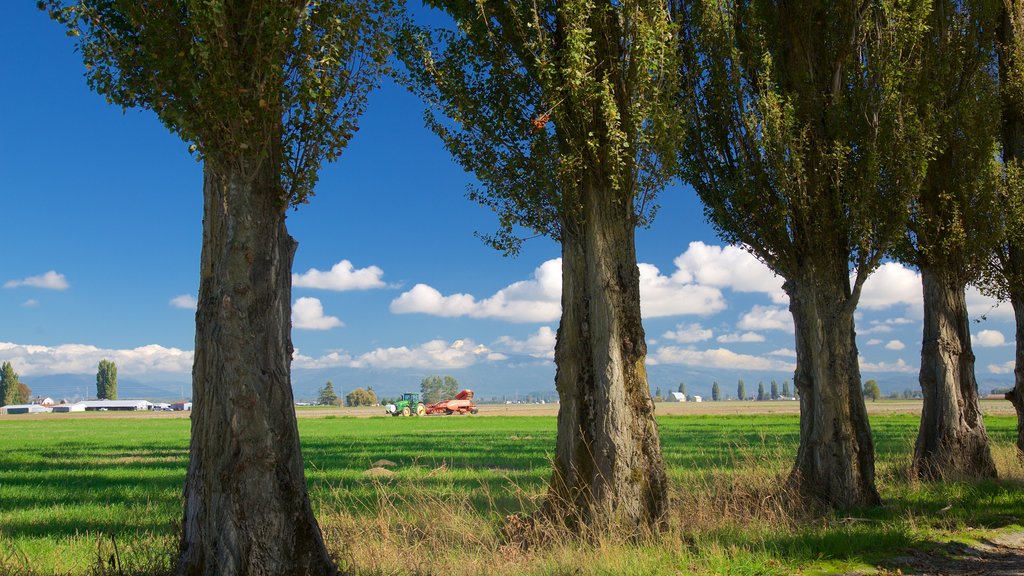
71	490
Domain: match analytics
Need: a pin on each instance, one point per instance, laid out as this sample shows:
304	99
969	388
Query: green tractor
409	405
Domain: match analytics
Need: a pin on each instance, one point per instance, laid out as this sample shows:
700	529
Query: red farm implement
461	404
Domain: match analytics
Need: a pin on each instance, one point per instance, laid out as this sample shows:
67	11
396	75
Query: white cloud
687	334
30	303
740	337
308	314
989	339
184	301
32	360
874	342
536	300
1004	368
718	358
895	345
674	295
433	355
980	305
728	267
766	318
784	352
898	366
341	277
51	281
890	285
538	345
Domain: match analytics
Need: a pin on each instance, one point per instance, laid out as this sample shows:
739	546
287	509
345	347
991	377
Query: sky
101	213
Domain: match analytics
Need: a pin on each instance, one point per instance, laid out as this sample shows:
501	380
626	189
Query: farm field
81	492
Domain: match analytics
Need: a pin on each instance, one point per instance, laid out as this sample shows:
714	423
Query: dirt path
1000	556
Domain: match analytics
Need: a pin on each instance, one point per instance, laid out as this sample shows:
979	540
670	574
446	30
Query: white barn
24	409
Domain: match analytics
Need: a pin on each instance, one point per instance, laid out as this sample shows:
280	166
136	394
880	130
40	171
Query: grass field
76	491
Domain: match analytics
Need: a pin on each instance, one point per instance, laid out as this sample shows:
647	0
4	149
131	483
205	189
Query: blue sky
102	214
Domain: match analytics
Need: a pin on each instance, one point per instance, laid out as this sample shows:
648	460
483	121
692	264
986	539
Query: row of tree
797	123
14	391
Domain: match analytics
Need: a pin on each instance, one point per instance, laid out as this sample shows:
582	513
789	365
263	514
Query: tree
657	395
561	109
360	397
106	380
327	396
435	388
805	148
952	230
775	390
8	385
263	91
760	391
24	393
785	388
872	391
1005	279
682	388
741	390
716	392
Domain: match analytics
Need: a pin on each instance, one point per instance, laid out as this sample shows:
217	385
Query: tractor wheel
406	411
447	412
421	409
474	411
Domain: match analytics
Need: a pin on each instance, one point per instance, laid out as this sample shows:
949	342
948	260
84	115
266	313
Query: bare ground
1000	556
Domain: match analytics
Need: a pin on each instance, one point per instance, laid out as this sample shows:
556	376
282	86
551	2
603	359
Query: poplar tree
1006	276
741	390
805	149
561	109
106	380
263	91
952	229
8	385
716	392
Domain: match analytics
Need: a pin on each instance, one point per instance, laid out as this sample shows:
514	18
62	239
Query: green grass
72	489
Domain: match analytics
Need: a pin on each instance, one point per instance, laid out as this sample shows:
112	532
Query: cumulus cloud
766	318
433	355
50	280
895	345
740	337
898	366
674	295
1004	368
541	344
184	301
32	360
891	284
728	267
980	305
784	352
718	358
308	314
687	334
989	339
535	300
341	277
874	342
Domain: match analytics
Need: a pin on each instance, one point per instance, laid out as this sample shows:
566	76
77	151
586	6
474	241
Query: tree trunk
835	463
1016	396
246	507
951	442
608	471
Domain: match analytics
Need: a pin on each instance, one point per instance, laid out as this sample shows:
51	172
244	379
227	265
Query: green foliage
8	385
716	392
361	397
435	388
804	138
242	82
24	393
682	388
326	395
775	390
872	391
536	97
106	380
760	391
741	390
785	389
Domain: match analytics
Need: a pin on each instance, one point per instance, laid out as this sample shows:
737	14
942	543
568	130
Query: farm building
115	405
76	407
24	409
181	406
676	397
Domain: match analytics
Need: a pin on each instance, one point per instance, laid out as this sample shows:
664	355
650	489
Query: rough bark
246	506
1016	396
952	441
608	469
835	463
